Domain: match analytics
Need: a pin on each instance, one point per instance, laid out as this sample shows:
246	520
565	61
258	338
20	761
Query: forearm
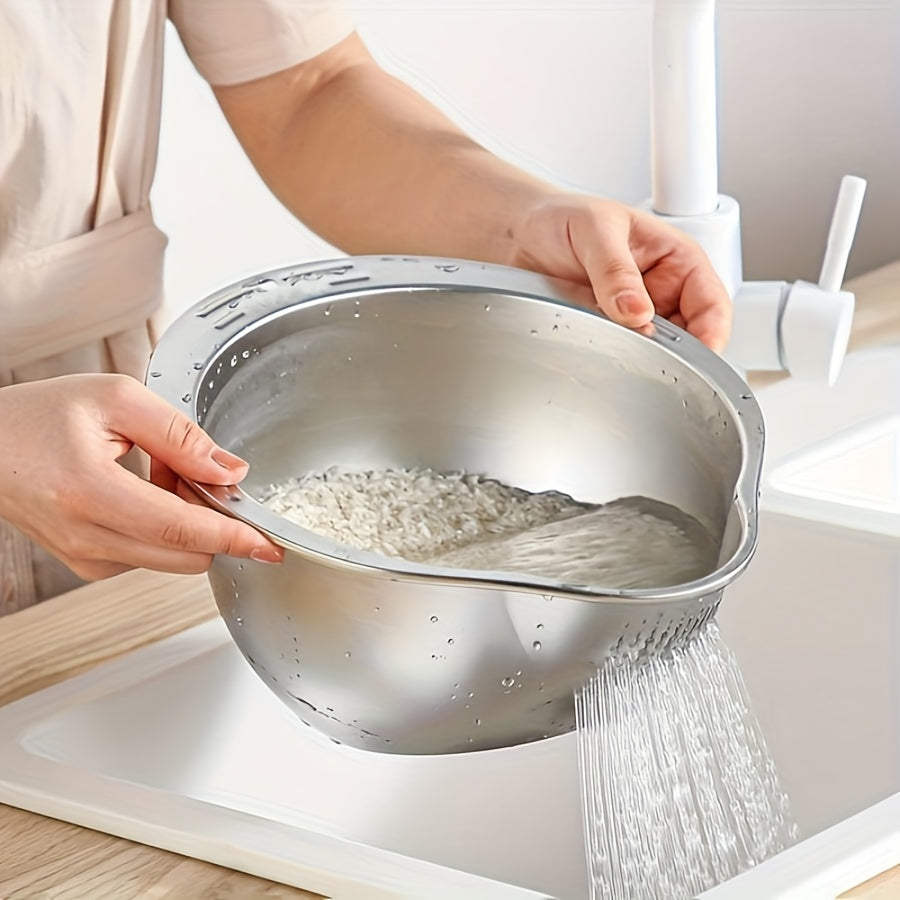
374	168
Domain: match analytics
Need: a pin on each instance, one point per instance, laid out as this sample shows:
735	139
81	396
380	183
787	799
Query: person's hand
61	485
637	264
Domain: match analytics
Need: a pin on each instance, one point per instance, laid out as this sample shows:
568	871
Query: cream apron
80	258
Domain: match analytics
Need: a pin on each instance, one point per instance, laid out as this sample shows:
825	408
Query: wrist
538	236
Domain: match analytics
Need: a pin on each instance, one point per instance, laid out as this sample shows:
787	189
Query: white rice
467	521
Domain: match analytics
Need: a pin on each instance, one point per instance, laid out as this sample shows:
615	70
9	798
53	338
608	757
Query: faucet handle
842	231
803	328
817	318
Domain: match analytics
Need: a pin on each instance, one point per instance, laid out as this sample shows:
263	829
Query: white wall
809	90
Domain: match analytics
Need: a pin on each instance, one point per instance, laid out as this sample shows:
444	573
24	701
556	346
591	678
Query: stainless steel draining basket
380	362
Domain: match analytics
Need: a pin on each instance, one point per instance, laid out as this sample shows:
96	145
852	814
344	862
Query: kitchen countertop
51	642
72	633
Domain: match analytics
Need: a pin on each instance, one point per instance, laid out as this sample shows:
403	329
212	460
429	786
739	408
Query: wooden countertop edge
56	640
69	634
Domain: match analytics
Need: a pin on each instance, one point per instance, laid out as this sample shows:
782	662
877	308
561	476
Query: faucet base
719	234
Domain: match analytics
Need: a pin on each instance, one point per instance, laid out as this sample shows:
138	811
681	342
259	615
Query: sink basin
180	745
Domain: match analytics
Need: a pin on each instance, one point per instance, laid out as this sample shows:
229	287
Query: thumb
171	438
616	279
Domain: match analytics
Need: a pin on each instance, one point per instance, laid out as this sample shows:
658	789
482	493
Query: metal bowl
381	362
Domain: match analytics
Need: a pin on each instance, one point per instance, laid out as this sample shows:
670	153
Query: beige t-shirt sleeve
232	41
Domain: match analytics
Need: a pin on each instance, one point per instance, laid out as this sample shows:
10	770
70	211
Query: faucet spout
684	149
684	134
801	328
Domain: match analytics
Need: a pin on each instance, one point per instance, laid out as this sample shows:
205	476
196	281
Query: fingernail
227	460
267	554
629	303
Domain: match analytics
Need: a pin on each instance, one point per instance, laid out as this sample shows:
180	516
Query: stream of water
680	792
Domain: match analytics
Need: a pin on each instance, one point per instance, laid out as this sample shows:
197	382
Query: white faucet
801	327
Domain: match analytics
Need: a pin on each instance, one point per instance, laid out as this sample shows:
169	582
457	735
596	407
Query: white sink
182	746
179	744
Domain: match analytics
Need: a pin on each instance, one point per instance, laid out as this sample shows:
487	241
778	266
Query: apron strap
80	290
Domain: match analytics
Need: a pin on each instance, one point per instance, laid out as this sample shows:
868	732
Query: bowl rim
204	332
